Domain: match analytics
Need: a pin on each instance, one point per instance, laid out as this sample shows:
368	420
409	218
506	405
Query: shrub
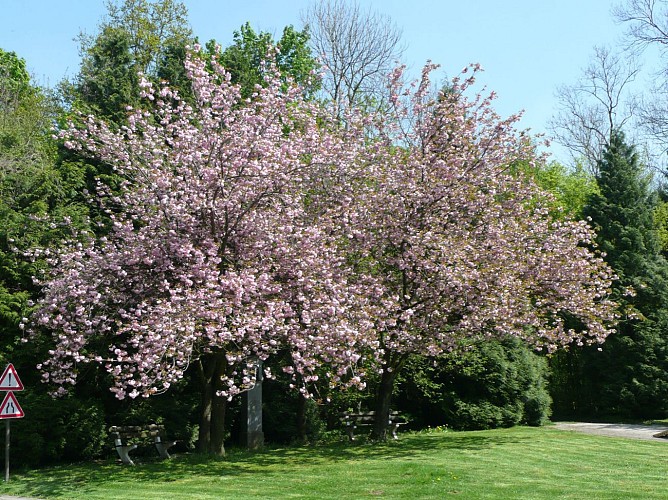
57	430
493	383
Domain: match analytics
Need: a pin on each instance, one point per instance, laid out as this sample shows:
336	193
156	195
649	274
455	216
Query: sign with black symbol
10	407
10	380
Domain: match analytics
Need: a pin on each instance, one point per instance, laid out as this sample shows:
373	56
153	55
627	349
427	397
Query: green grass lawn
516	463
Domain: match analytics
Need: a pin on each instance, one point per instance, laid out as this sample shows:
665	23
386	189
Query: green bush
537	406
57	430
493	383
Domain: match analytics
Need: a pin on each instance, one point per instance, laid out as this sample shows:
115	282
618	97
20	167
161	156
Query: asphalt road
631	431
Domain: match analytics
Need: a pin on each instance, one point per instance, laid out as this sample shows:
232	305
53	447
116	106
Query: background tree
151	27
357	50
37	194
108	77
661	220
15	79
139	36
592	109
32	187
568	189
629	378
24	155
647	23
247	56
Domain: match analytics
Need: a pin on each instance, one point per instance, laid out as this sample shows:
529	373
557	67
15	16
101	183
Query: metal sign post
10	408
7	452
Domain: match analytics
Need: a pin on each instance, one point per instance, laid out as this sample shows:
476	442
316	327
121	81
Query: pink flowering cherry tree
217	253
460	242
247	226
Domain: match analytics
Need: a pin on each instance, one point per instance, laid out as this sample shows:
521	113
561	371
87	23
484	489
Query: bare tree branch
358	49
647	26
593	108
647	22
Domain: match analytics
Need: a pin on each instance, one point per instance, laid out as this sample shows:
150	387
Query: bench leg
124	453
162	447
350	430
394	429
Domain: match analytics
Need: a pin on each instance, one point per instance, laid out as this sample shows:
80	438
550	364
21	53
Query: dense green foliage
245	58
38	190
491	384
34	185
661	219
108	76
139	37
571	188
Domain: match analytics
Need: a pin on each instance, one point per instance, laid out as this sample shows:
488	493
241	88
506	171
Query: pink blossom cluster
245	227
461	242
212	245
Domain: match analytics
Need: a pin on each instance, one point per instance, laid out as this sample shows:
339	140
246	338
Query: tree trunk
219	407
383	402
211	437
301	417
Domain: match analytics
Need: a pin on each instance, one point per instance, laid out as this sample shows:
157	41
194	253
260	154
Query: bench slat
353	419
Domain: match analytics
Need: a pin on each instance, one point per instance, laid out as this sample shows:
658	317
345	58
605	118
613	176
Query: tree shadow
367	450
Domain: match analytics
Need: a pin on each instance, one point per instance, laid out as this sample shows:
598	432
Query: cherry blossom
245	227
460	241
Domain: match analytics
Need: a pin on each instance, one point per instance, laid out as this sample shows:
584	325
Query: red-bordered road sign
10	380
10	407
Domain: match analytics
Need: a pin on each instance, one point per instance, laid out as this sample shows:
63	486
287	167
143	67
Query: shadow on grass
79	479
407	446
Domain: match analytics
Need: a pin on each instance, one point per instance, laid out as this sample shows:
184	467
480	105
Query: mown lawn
518	463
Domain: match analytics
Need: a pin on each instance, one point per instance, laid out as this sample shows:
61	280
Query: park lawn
517	463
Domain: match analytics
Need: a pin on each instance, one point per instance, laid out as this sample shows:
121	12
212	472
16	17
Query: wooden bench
126	437
352	420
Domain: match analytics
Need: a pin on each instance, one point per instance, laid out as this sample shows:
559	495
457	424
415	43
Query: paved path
616	430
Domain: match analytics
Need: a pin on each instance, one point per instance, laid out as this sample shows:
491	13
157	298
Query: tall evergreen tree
32	186
108	77
628	377
138	36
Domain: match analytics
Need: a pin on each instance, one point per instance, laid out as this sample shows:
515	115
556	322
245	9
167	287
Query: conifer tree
628	377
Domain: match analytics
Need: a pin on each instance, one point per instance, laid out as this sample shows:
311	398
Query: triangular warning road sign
10	407
10	380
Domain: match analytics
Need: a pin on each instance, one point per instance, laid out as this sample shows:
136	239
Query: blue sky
527	47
